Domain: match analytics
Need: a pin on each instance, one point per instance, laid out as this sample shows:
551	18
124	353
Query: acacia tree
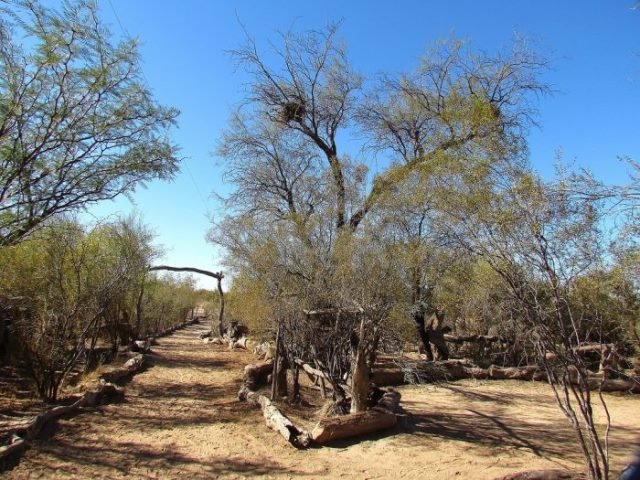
457	105
301	203
544	244
77	123
66	288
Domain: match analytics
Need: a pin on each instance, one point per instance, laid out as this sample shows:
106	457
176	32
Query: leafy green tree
77	123
69	290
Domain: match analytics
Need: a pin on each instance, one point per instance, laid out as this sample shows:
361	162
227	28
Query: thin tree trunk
274	373
418	322
360	373
139	308
295	393
221	314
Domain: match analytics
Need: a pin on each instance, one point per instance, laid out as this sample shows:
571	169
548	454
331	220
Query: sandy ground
181	420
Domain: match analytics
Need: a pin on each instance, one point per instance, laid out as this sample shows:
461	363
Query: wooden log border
105	392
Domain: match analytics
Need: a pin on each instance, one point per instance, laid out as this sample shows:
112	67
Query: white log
275	420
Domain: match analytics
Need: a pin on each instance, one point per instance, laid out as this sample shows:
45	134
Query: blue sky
594	48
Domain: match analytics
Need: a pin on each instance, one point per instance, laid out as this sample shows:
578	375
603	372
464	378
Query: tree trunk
221	313
281	376
276	358
360	373
295	392
139	307
418	322
436	336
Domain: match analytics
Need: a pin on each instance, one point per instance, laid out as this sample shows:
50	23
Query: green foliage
77	123
167	301
69	290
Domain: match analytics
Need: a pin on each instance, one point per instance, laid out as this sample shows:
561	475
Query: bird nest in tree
293	111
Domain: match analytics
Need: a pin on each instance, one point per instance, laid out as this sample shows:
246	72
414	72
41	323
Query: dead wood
389	402
130	368
471	338
16	444
256	375
241	343
632	385
21	435
275	420
346	426
216	275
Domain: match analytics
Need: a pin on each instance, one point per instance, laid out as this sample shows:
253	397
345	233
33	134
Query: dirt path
181	419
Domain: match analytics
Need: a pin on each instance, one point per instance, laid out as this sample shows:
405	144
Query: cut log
256	375
530	372
388	376
625	386
347	426
389	402
15	444
131	367
241	343
275	420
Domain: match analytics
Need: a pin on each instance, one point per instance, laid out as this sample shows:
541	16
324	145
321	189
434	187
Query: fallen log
309	370
389	402
388	376
471	338
625	386
346	426
275	420
256	375
241	343
15	444
130	368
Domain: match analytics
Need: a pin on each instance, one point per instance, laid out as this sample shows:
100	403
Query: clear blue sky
594	47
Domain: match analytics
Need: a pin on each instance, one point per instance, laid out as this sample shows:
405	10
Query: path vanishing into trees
181	419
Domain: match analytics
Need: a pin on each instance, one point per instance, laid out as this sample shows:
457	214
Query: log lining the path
275	420
105	392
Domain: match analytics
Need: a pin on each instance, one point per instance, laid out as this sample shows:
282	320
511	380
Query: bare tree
541	242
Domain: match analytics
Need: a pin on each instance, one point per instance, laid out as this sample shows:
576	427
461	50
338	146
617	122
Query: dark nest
293	111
